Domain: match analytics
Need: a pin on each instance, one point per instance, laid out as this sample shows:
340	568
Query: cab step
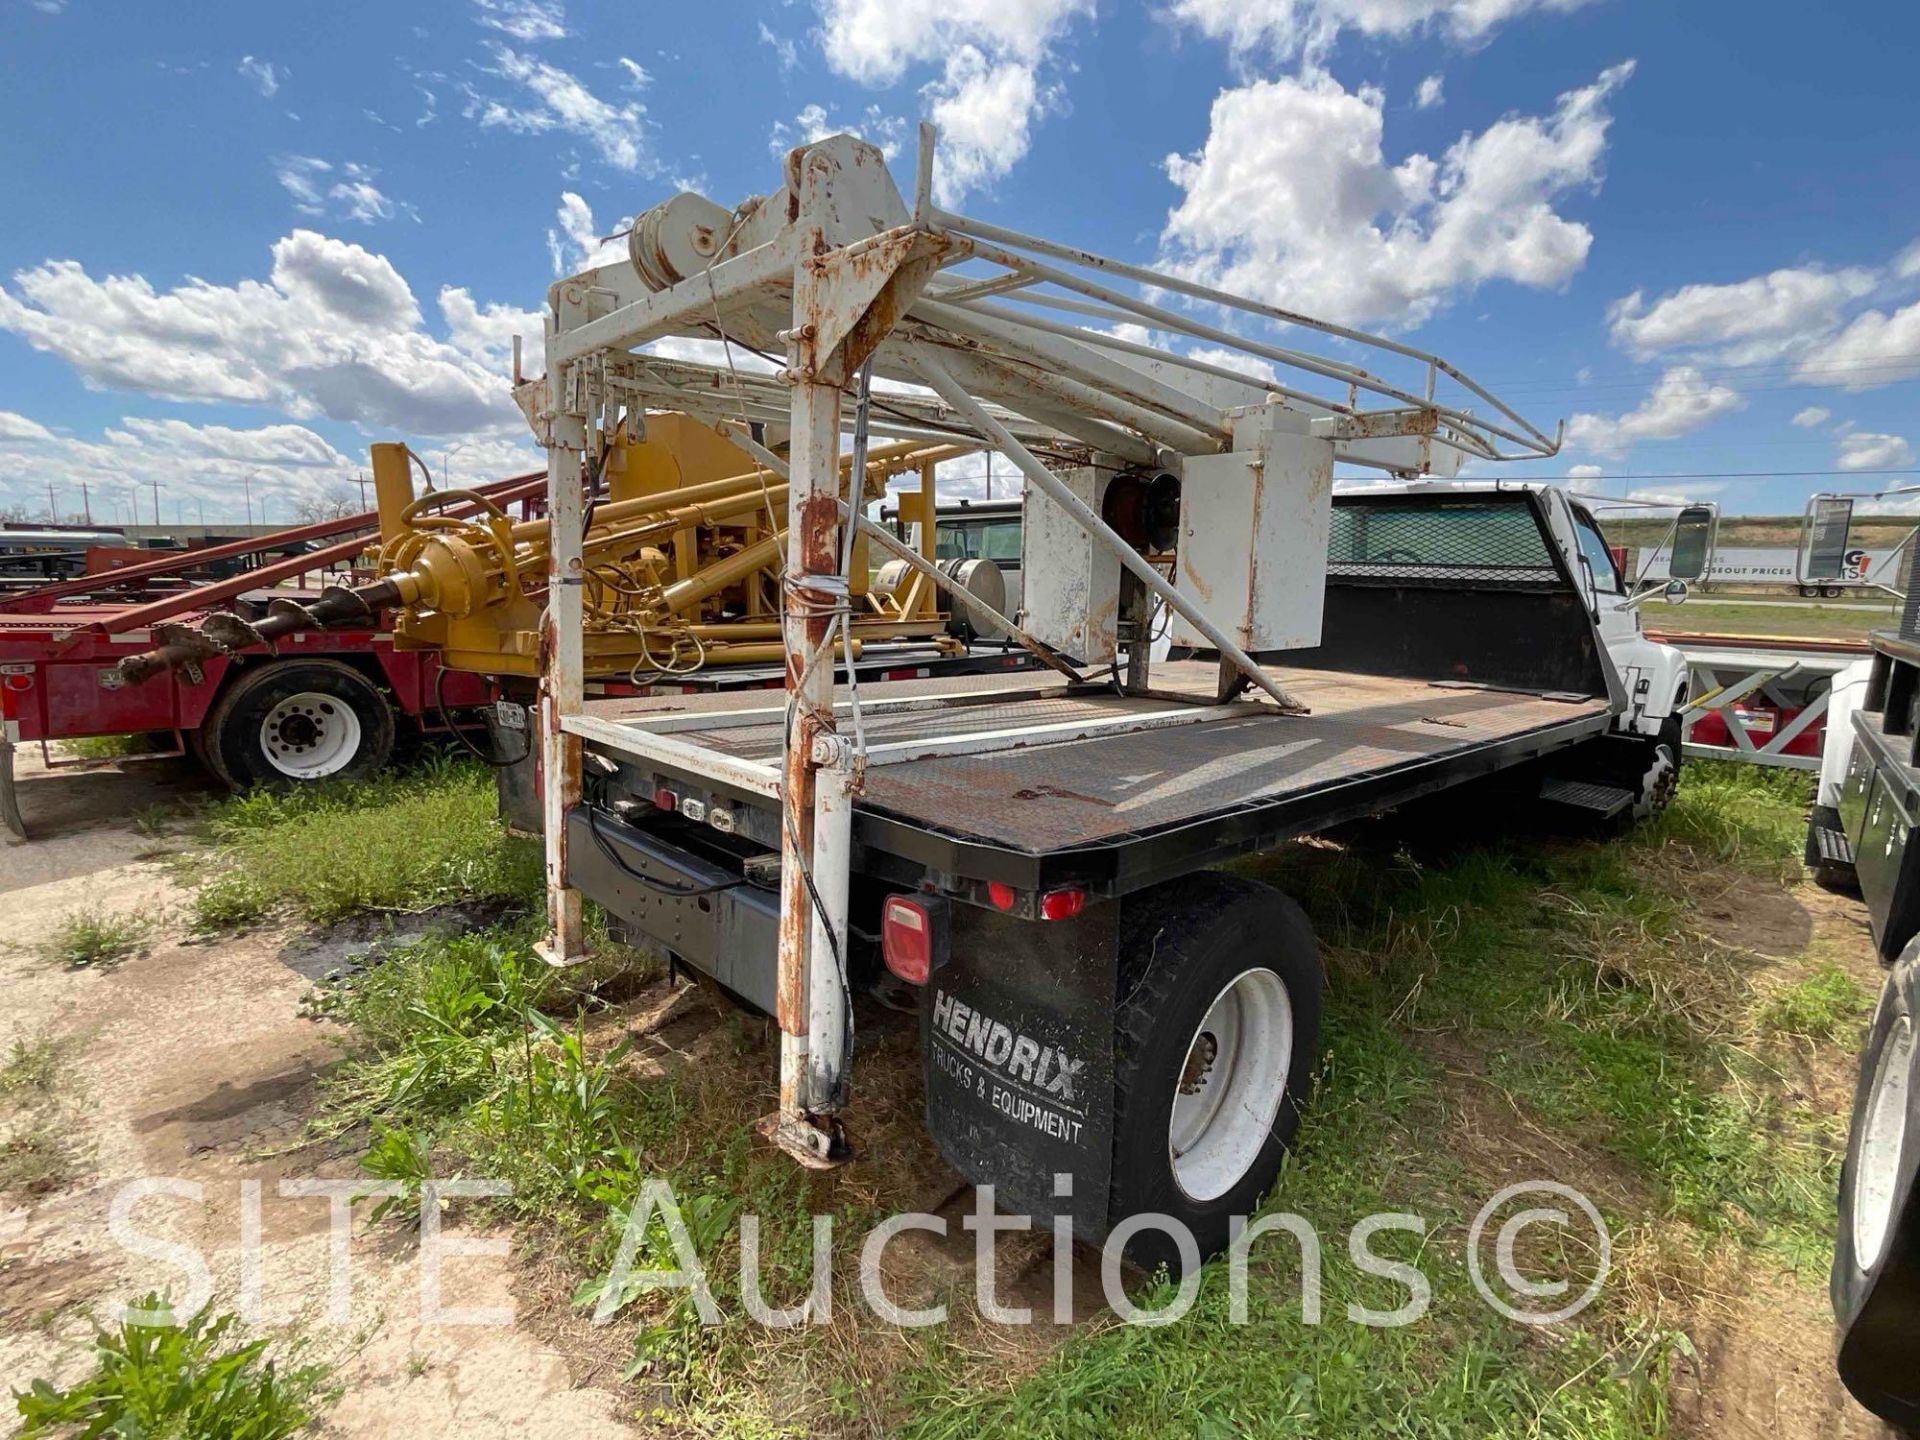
1603	802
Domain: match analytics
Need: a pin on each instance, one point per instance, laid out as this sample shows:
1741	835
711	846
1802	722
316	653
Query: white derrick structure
839	300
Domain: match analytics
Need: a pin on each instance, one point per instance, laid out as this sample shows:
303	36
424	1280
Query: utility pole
246	483
156	500
363	490
446	464
989	474
53	510
86	505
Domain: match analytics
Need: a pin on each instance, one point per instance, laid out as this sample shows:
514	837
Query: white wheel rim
310	736
1230	1085
1877	1175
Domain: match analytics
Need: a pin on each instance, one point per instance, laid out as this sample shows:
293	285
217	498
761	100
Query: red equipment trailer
323	704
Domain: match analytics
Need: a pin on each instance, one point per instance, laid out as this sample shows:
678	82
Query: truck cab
1653	676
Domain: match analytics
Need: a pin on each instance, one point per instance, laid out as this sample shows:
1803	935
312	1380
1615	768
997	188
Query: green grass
1565	985
406	841
1804	619
107	747
1500	991
1827	1005
31	1070
179	1381
86	939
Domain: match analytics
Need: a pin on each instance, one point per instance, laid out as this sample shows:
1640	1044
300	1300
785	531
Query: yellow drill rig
684	541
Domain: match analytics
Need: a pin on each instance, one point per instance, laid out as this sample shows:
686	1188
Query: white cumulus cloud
1431	92
1292	200
1867	450
990	90
575	243
1683	401
1290	29
985	111
333	331
1749	321
1875	348
1813	415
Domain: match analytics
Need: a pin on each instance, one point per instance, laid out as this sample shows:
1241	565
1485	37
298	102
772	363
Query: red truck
327	703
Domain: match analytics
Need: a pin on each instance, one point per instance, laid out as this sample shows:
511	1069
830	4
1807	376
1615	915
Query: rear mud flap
10	819
1017	1035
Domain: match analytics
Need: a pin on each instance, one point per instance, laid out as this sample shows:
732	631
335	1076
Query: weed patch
37	1152
189	1379
88	940
396	842
1827	1005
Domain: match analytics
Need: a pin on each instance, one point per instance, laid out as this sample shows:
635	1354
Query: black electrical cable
460	734
685	892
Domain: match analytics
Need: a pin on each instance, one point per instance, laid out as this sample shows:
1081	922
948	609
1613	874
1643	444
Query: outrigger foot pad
818	1142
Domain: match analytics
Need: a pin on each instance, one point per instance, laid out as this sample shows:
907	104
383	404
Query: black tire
233	740
1836	878
1182	944
1875	1285
1659	777
203	753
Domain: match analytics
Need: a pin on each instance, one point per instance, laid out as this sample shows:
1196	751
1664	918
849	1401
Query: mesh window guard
1439	541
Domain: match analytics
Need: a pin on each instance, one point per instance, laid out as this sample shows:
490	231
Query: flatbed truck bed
1041	797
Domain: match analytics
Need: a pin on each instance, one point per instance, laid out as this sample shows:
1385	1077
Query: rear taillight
1062	904
1003	896
906	938
665	799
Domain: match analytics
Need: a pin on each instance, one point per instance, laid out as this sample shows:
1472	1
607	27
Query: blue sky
247	243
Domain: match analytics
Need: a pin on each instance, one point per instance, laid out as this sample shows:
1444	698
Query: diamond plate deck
1042	797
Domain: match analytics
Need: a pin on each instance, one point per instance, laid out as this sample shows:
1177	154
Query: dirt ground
193	1062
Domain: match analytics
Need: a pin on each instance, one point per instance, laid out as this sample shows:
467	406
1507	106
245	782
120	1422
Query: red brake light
665	799
1004	897
906	939
1062	904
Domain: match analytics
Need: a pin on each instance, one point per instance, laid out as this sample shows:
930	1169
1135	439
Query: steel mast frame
1001	375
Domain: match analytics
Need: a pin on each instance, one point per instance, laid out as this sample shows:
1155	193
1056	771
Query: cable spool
677	238
1144	507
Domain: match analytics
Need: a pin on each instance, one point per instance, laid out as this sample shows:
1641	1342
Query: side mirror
1675	592
1692	543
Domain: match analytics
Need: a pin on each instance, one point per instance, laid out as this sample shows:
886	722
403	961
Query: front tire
1875	1285
294	722
1215	1046
1659	778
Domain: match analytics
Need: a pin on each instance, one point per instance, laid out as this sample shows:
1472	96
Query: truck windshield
996	540
1401	538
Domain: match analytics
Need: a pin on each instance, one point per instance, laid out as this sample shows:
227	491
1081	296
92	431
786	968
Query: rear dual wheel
1215	1045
